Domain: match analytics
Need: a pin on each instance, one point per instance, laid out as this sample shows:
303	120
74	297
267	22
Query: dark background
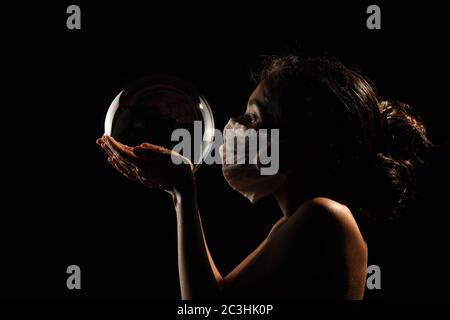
63	204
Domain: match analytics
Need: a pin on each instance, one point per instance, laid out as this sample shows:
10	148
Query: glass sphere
151	109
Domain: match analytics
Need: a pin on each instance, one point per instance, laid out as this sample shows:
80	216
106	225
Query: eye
248	119
253	117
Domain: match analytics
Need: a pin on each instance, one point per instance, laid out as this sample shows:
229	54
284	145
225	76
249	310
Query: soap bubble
151	109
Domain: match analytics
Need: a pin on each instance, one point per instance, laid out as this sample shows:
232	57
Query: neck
290	198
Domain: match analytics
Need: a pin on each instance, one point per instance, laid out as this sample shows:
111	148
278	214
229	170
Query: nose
242	119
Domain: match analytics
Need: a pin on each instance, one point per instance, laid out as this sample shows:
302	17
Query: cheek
295	156
267	120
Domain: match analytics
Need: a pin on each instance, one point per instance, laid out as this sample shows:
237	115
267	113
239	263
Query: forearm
199	277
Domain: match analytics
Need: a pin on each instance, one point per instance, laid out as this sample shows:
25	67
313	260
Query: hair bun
404	138
404	135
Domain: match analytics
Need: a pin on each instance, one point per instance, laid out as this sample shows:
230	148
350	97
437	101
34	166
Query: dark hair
369	148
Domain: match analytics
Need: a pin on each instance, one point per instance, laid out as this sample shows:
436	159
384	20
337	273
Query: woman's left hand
149	164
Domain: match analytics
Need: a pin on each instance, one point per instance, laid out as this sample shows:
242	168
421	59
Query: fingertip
146	144
107	141
106	138
111	139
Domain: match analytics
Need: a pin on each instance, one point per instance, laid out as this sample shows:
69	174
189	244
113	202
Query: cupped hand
149	164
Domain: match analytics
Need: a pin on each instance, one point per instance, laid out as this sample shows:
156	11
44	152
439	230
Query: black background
63	204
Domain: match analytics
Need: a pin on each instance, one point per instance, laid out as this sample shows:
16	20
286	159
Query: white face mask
247	178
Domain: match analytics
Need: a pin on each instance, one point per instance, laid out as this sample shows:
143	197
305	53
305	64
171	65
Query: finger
101	142
122	153
154	147
123	170
136	177
127	168
131	168
160	155
150	152
123	162
106	149
152	157
111	154
119	149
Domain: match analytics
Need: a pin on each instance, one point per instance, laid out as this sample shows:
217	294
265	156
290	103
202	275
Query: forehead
259	95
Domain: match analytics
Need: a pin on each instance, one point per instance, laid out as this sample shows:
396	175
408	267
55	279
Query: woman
345	158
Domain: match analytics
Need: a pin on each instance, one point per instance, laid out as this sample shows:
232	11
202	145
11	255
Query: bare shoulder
325	206
316	252
321	216
322	209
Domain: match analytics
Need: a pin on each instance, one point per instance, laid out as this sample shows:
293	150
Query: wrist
184	191
185	203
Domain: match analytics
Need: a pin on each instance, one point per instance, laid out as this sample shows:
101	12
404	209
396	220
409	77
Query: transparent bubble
151	109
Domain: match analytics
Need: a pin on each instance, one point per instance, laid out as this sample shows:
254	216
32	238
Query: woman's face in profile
256	115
